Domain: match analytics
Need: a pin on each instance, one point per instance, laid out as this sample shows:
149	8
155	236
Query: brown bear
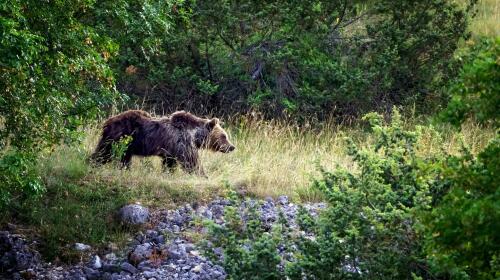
175	138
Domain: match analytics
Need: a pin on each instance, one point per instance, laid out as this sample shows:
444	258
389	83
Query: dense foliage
307	58
400	216
462	231
53	76
476	91
368	230
58	63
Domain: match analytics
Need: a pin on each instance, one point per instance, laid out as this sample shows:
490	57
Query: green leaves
20	181
462	231
250	251
294	58
476	92
53	77
367	231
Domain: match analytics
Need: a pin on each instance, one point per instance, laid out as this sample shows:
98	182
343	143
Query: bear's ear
212	123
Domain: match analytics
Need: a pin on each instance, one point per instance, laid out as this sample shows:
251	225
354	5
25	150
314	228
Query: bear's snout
230	149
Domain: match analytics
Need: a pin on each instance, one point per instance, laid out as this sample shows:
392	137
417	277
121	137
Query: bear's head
217	139
208	133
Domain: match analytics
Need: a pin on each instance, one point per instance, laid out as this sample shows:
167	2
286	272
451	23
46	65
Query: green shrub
476	92
366	232
53	77
304	58
18	177
461	232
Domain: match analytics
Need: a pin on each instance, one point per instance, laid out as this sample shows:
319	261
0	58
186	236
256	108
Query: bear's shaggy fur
175	138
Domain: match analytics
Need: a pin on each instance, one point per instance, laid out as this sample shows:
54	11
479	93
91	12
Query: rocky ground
165	251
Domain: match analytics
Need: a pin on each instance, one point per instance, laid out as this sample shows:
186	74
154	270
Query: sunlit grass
487	19
272	158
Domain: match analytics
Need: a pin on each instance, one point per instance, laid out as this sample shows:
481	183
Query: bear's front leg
169	164
193	168
190	163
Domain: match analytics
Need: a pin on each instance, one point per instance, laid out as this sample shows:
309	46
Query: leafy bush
476	92
304	58
462	231
18	176
367	231
53	76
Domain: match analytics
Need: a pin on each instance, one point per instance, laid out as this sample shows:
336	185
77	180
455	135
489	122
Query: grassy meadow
271	159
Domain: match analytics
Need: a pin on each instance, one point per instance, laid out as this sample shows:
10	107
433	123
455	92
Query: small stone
186	267
160	239
176	229
283	200
90	273
95	262
82	247
133	214
194	253
110	257
144	265
140	253
196	269
128	267
111	268
149	274
176	252
207	214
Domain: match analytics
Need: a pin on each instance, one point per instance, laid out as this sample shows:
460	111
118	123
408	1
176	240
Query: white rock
82	247
134	214
110	256
196	269
95	262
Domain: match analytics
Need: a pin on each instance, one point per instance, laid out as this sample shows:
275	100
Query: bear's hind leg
102	154
126	160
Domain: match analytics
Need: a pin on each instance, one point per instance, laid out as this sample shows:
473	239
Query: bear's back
132	116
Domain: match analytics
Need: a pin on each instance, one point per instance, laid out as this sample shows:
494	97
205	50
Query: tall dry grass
272	158
487	20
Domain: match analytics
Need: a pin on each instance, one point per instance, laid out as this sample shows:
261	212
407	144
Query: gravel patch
162	252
